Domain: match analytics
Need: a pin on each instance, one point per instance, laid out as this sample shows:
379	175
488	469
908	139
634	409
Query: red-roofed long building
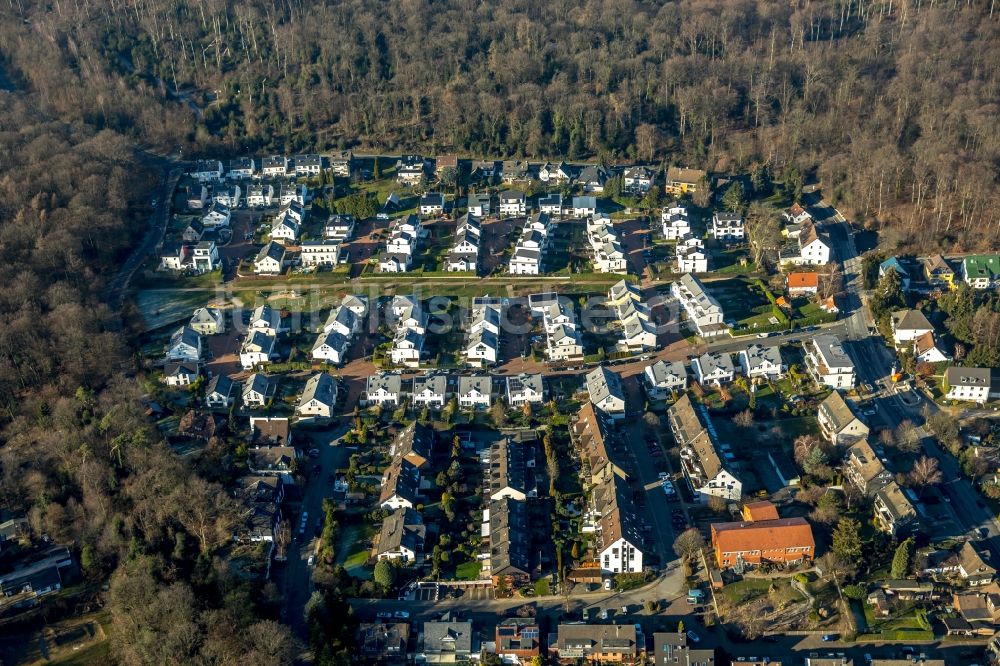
750	543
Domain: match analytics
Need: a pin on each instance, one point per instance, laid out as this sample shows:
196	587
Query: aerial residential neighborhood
611	431
496	333
668	419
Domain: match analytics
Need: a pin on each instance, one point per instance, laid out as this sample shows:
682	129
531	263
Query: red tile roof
782	540
756	511
803	280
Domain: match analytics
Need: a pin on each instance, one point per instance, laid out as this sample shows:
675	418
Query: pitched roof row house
402	536
401	245
482	347
703	311
528	255
506	528
618	546
464	253
562	338
634	317
762	538
471	391
608	252
703	459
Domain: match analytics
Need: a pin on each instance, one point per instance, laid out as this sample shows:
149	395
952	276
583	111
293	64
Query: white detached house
184	345
257	349
430	391
714	369
908	325
525	389
330	346
763	362
662	378
475	392
318	398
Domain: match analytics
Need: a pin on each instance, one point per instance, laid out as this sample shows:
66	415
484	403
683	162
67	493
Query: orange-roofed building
752	543
757	511
800	283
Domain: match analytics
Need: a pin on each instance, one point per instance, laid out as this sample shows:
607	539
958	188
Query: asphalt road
295	573
114	291
874	362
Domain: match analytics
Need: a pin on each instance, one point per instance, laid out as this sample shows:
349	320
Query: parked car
829	637
401	615
693	637
383	615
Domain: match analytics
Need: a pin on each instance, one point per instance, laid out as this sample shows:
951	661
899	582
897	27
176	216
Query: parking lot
472	591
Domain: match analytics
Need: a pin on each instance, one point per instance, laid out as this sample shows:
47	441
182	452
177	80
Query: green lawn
468	570
727	262
98	653
349	551
161	307
738	299
907	620
745	590
799	425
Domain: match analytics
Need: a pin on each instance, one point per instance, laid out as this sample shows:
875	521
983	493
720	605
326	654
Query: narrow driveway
295	575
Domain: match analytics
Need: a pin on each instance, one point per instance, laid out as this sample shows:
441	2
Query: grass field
350	549
739	299
77	641
468	570
161	307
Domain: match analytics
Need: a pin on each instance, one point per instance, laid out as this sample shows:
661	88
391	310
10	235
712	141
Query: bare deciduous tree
925	472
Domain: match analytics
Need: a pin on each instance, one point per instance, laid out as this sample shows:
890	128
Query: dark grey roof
448	637
481	383
436	384
403	527
517	383
184	367
260	383
273	250
509	465
220	384
320	387
602	383
432	199
975	377
510	537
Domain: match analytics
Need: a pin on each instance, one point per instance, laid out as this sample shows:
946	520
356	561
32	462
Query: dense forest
893	103
78	457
